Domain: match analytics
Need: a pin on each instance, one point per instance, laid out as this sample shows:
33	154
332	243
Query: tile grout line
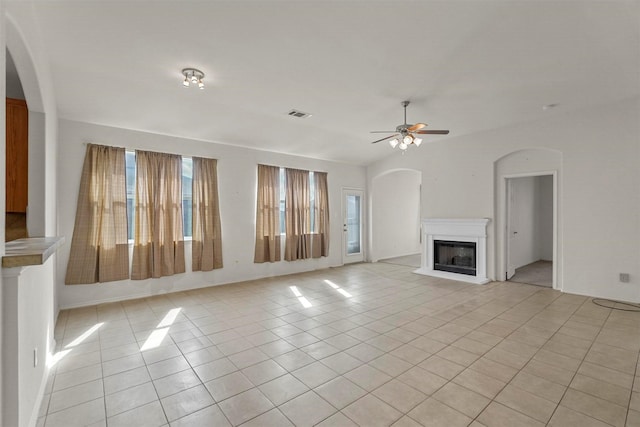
492	400
635	378
581	363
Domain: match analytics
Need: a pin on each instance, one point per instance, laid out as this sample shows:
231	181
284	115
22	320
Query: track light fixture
192	75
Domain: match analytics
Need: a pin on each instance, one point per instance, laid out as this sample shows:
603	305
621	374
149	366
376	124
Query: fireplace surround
455	249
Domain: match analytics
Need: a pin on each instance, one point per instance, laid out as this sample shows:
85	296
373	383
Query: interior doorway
530	226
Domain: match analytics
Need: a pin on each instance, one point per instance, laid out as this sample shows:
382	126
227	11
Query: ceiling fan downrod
405	104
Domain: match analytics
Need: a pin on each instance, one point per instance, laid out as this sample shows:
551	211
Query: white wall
23	384
599	201
36	203
28	325
395	214
36	314
13	85
544	217
3	195
237	188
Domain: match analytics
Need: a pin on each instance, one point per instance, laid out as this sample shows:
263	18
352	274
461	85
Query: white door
353	247
511	230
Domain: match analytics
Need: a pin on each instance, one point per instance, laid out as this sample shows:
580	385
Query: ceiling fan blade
416	127
432	132
386	137
382	131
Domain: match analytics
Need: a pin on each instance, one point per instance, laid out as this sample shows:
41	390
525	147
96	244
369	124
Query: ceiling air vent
299	114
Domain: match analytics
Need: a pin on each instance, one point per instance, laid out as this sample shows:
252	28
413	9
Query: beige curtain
99	247
207	239
321	215
159	240
268	215
297	218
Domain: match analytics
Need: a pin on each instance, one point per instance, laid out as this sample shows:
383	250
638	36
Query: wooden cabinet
17	155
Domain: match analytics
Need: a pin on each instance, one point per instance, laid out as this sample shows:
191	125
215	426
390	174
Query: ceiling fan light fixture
403	136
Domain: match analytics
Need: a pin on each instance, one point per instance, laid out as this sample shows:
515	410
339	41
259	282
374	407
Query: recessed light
549	106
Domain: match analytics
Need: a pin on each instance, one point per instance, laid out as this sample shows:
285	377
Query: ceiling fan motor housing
403	128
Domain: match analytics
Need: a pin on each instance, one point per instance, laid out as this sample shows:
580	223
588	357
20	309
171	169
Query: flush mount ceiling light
193	76
406	134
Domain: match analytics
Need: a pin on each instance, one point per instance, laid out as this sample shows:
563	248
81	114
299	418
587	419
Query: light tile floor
537	273
368	344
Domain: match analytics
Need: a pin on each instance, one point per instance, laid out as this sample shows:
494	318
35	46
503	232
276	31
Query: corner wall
600	217
22	383
3	195
237	178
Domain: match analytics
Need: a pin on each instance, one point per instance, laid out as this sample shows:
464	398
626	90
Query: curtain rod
85	143
284	167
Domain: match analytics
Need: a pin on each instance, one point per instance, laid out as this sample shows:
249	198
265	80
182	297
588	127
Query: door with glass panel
353	247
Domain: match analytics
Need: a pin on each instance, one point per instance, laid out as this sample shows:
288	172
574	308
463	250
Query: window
283	188
187	175
99	247
130	166
291	204
187	189
312	198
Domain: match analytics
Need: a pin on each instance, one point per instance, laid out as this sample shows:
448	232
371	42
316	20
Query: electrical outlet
624	277
35	357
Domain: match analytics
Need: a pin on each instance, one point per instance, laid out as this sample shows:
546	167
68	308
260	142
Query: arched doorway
42	134
395	215
528	212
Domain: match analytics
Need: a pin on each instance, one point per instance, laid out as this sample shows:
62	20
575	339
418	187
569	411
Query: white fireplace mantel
460	230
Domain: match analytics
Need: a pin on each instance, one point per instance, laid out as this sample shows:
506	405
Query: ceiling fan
405	134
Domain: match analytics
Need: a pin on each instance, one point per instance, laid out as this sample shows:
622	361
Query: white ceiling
466	66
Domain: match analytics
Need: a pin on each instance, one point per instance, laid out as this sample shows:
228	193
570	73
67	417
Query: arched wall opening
30	313
531	162
395	203
22	59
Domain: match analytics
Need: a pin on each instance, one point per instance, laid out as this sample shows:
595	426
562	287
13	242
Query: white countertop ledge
30	251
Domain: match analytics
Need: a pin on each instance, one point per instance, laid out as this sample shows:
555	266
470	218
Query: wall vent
299	114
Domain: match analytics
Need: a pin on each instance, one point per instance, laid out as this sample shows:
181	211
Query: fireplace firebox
454	257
